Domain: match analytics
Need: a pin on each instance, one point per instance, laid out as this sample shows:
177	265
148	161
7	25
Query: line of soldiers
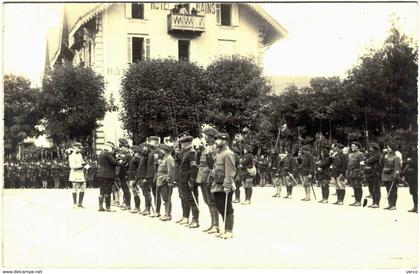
153	169
353	168
30	173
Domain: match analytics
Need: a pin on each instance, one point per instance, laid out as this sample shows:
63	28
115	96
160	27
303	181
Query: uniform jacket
354	169
187	155
152	163
392	167
205	163
372	164
106	165
288	165
339	164
165	171
76	163
307	167
323	169
142	168
246	161
224	171
133	165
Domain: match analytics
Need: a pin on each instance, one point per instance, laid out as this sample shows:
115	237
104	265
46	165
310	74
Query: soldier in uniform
55	173
338	170
32	174
275	172
133	165
355	172
77	175
205	159
246	164
6	168
45	173
288	171
307	168
152	161
67	183
410	174
22	173
237	151
223	183
187	186
372	173
390	174
125	157
141	178
165	178
323	166
106	175
263	169
13	174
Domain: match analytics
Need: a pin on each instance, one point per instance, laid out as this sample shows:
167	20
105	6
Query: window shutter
128	10
145	11
129	50
147	48
218	15
235	14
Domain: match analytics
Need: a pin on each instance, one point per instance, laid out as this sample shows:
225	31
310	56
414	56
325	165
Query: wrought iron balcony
185	23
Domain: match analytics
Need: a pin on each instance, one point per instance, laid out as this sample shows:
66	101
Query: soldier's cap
183	134
77	144
155	138
135	148
223	136
339	146
356	144
306	148
248	148
210	131
123	142
393	146
374	145
186	139
165	147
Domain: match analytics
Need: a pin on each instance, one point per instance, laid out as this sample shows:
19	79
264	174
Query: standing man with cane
390	173
223	183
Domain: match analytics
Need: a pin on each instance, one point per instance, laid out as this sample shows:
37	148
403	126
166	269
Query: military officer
307	168
223	183
165	177
390	174
372	173
355	172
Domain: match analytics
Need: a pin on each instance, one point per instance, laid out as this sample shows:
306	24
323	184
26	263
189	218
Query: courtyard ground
41	229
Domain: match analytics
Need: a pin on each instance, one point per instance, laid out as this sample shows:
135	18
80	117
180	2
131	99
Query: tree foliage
73	102
21	110
238	94
163	97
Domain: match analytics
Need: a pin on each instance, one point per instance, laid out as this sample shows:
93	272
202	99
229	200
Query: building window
226	14
138	49
137	11
184	50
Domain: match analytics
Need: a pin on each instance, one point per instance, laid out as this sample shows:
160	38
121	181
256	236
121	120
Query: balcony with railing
186	23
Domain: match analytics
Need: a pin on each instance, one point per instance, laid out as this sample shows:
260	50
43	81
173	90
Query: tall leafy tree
73	102
22	112
163	97
238	94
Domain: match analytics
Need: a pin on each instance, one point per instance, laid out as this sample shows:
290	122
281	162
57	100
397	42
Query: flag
283	124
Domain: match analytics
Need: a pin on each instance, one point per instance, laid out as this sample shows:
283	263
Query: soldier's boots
208	229
323	201
101	201
355	204
227	235
246	202
413	210
145	212
135	210
165	218
374	206
74	194
183	221
194	224
306	199
236	201
213	230
81	195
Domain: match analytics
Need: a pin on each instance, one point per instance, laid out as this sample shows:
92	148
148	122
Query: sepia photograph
209	135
